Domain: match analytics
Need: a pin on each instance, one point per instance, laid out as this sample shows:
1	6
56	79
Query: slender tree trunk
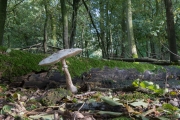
171	30
86	50
130	30
102	27
107	30
45	28
53	27
153	51
3	6
123	24
111	49
82	40
9	41
148	48
74	22
65	24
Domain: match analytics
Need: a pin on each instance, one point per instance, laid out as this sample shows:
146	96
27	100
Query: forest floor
111	90
31	96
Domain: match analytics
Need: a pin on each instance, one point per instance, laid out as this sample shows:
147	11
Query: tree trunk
171	30
74	22
123	24
82	40
130	30
108	42
102	28
45	28
53	27
65	24
153	51
3	6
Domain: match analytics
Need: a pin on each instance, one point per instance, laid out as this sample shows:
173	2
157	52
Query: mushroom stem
69	83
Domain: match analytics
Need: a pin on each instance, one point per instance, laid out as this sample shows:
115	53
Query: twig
169	50
78	110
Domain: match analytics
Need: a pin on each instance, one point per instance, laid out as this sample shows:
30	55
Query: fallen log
149	60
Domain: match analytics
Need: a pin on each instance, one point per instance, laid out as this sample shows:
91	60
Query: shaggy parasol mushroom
61	56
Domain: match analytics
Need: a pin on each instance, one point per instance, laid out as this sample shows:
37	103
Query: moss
134	96
17	63
135	56
77	65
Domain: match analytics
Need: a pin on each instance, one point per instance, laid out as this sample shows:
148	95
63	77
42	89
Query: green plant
150	86
172	112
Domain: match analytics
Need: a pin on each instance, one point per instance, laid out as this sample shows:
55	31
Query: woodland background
102	28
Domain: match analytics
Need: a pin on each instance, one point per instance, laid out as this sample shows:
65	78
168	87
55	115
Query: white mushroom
61	56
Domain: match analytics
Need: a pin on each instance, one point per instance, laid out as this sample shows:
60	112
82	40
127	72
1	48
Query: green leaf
170	107
153	87
145	84
110	101
136	83
177	115
139	103
43	116
6	109
109	113
144	118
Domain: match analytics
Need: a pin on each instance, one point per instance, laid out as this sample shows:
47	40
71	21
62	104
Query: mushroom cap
58	56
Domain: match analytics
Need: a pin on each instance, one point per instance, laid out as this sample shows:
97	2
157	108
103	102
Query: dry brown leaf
131	110
78	115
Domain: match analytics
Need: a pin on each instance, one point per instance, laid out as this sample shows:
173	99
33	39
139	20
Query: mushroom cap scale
58	56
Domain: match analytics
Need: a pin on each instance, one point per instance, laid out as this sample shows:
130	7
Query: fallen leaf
139	103
111	101
109	113
131	110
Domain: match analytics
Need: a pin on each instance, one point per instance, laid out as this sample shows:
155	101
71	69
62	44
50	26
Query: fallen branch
150	60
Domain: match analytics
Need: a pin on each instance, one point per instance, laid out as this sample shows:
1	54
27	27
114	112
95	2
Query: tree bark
3	7
123	24
45	28
171	30
130	31
65	24
74	22
53	27
102	27
108	29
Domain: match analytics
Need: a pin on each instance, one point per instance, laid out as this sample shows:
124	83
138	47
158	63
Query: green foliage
170	107
150	86
6	109
173	112
110	101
